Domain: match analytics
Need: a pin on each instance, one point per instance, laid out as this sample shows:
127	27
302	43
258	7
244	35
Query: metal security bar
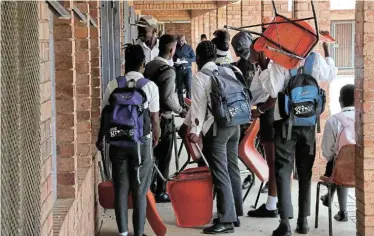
19	119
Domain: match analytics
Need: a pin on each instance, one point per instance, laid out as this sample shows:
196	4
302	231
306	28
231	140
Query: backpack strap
122	81
160	71
293	72
309	61
141	83
342	119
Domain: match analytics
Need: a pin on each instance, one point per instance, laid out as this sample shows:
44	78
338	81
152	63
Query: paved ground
250	226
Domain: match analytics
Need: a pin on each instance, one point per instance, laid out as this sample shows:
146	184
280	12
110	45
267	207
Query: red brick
84	138
64	121
66	164
63	61
81	32
64	92
83	115
64	77
82	68
83	104
65	149
64	106
82	56
83	150
83	127
82	91
62	32
66	178
66	191
65	135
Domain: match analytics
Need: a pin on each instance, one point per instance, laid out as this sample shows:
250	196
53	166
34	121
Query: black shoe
262	212
219	228
282	230
325	200
341	216
265	189
247	181
236	224
162	198
302	226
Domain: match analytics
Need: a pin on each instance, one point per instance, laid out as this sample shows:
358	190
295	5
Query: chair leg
330	213
249	189
317	204
258	194
180	148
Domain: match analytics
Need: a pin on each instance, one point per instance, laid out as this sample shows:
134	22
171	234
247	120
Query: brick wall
364	117
45	123
75	212
167	15
179	28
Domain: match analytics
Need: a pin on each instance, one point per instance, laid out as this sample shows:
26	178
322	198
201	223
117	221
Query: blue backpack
230	99
128	121
303	101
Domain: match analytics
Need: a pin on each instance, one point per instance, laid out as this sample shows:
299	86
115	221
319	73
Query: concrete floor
250	226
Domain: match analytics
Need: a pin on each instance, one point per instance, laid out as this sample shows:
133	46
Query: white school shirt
150	54
259	95
276	77
332	129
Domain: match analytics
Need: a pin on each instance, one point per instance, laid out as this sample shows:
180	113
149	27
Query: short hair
165	43
347	95
222	40
206	51
134	57
203	36
179	37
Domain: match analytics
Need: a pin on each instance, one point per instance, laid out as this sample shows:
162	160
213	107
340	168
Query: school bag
230	99
303	101
129	120
347	134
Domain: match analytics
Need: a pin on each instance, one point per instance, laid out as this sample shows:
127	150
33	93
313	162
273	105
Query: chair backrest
344	167
191	149
249	155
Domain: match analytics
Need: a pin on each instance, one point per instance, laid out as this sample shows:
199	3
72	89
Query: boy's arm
329	140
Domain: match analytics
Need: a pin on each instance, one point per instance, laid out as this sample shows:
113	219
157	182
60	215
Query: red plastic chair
106	199
252	159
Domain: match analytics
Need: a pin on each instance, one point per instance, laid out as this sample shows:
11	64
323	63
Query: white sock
123	234
271	203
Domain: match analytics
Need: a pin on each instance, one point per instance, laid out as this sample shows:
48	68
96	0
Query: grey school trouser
126	179
223	162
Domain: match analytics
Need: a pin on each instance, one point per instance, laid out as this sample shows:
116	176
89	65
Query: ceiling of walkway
177	10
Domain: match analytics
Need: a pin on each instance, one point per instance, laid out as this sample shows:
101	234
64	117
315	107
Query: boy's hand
326	49
193	138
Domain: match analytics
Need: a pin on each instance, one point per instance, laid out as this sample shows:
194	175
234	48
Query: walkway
250	226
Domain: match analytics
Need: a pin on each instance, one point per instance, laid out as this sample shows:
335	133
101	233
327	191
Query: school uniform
302	144
221	143
128	175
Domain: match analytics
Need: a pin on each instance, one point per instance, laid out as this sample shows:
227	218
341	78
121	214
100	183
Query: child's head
347	96
134	58
206	51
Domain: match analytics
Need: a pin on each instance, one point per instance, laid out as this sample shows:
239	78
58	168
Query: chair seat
328	180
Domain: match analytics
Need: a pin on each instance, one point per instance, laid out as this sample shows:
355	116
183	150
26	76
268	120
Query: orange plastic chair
286	41
106	199
251	158
343	175
291	37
